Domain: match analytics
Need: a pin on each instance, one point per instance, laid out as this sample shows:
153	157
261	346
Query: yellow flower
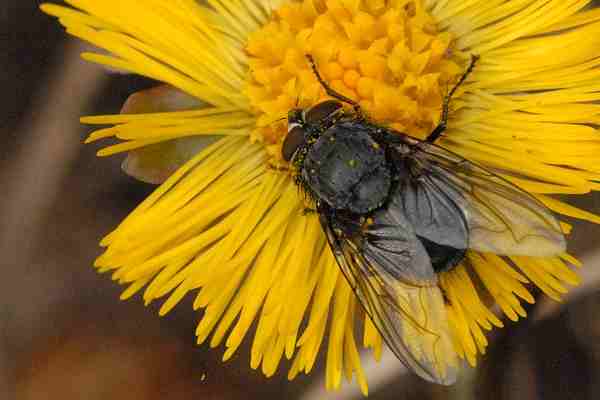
228	224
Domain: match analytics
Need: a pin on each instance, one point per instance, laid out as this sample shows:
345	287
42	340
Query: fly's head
305	128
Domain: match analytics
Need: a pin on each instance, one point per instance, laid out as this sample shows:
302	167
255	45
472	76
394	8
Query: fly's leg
332	92
278	168
310	207
439	130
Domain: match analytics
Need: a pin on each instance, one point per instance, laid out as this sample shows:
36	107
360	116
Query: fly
397	211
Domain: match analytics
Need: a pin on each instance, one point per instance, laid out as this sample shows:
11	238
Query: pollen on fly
397	211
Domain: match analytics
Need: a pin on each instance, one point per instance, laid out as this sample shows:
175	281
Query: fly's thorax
347	169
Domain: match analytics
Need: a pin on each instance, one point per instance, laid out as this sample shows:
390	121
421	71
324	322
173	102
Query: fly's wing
390	272
449	200
438	221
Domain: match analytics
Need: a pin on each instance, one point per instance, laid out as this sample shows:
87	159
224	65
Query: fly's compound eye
293	140
322	111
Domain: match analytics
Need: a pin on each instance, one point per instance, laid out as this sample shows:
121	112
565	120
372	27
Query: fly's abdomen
348	169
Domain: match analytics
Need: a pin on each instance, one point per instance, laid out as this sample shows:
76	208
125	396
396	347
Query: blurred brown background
64	333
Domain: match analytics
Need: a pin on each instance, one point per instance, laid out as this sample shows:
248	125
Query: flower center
387	55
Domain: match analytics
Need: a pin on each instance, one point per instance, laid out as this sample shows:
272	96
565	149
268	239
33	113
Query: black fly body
397	211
